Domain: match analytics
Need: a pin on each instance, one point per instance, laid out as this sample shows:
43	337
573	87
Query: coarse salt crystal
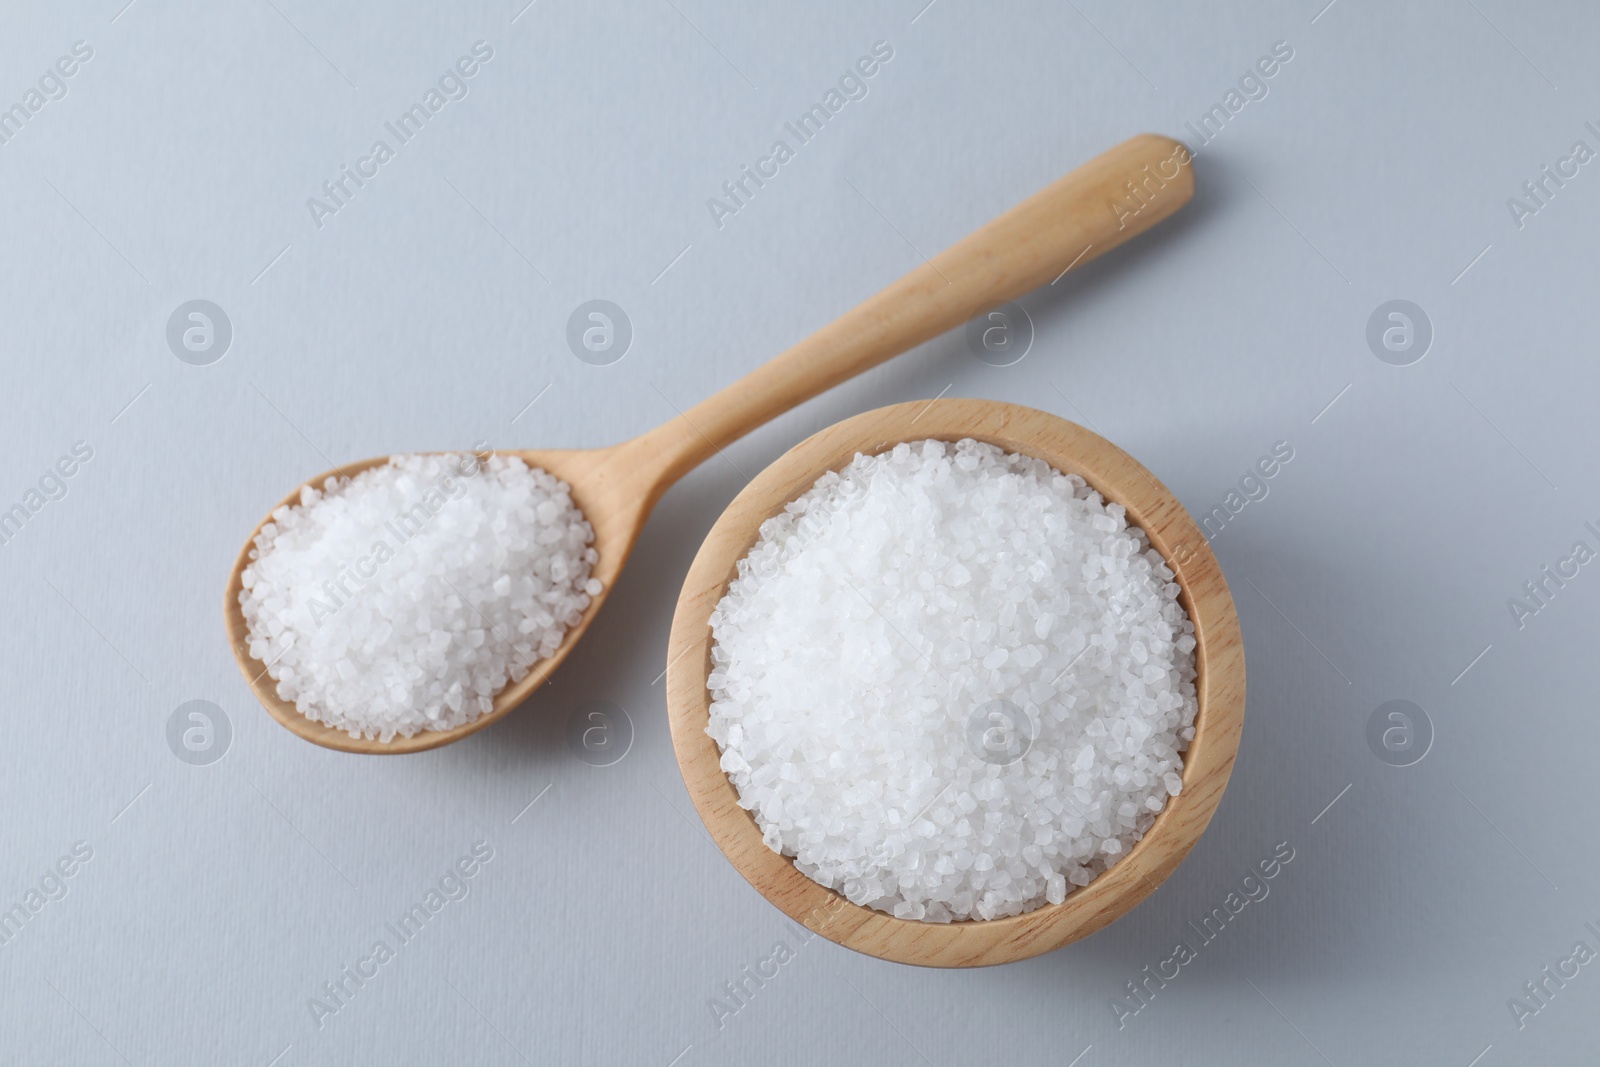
380	601
952	682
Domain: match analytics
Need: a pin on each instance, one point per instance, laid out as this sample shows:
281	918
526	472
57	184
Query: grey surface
221	897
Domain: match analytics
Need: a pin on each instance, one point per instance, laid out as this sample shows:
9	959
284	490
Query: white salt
404	598
952	682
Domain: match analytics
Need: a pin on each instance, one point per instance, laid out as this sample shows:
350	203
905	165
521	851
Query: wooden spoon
1115	196
1220	684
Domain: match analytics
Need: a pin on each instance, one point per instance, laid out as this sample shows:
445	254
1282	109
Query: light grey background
432	309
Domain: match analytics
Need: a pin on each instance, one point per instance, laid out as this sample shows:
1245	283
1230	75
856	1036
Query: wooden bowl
1220	685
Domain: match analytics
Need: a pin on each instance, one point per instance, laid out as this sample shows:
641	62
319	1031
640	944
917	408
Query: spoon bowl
1069	223
605	487
1219	684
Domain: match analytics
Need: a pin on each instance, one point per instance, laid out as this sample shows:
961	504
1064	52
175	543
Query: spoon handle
1113	197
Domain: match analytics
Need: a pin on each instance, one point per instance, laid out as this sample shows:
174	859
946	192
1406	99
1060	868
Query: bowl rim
1219	683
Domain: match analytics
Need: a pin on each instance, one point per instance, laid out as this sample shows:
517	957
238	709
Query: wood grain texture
1080	216
1220	684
